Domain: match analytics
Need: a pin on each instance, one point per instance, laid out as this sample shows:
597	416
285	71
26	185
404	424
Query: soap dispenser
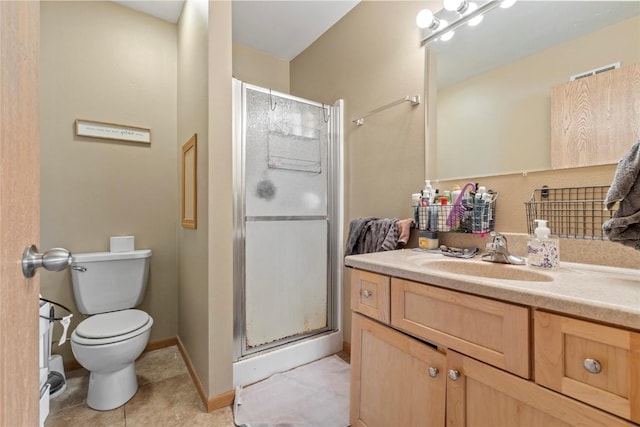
542	250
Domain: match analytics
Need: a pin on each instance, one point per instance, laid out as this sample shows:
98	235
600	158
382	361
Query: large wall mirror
494	81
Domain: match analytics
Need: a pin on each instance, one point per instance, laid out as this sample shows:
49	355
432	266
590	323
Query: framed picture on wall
189	182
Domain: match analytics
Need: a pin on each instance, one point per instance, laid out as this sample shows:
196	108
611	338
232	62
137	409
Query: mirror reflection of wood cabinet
595	119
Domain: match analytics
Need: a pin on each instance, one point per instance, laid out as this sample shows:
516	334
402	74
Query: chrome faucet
497	251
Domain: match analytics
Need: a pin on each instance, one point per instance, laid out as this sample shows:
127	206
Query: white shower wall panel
286	279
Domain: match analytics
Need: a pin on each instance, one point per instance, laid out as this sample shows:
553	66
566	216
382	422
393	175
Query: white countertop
606	294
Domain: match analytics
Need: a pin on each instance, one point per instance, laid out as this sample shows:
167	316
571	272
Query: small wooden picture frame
190	182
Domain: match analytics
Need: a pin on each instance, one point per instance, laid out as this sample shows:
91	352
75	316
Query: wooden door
390	380
19	210
485	396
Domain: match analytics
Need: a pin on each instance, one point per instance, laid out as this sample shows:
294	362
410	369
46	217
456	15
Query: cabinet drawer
370	294
566	352
492	331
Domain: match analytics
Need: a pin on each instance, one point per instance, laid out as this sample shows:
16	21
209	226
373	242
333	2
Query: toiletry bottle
455	193
415	206
428	191
543	251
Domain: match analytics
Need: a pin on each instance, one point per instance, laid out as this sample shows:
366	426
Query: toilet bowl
107	285
107	345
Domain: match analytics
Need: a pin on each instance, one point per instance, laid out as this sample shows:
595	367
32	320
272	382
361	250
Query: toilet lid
112	324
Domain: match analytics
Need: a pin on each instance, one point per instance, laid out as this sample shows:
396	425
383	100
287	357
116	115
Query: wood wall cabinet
478	351
595	119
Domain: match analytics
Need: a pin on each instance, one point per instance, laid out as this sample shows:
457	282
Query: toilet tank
109	281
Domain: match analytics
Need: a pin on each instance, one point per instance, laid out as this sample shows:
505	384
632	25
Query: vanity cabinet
485	396
370	294
396	380
593	363
489	330
450	358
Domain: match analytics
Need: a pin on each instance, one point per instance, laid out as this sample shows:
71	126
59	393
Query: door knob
56	259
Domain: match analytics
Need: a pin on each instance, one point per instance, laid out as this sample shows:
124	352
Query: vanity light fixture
472	15
459	6
426	19
463	7
478	19
449	34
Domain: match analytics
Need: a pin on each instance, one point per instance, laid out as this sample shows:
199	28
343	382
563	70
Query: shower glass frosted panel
286	179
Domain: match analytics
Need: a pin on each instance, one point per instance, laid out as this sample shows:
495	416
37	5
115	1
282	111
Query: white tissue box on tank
122	243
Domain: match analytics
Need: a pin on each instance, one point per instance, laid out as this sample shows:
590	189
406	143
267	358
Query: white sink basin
485	269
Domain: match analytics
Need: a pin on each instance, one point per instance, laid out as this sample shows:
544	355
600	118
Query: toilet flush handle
56	259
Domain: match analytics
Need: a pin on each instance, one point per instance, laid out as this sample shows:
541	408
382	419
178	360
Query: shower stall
288	184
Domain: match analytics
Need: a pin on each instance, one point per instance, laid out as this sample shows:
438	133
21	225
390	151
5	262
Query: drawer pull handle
433	372
454	374
367	293
592	365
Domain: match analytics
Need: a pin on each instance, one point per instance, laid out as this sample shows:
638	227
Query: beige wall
255	67
220	204
505	112
101	61
193	117
370	58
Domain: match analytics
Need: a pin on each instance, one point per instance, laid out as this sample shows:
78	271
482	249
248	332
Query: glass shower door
286	223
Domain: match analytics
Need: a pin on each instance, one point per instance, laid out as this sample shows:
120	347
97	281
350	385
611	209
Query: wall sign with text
112	131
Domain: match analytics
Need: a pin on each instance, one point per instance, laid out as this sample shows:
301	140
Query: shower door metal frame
334	218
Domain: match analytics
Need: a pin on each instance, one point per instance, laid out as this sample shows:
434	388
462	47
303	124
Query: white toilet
106	286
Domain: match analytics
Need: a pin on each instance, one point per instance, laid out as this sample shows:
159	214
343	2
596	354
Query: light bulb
507	3
478	19
453	5
426	19
449	34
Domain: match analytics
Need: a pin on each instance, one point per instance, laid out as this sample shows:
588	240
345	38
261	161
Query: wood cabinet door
594	363
594	120
485	396
390	380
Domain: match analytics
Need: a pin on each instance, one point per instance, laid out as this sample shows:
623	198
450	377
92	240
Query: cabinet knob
592	365
367	293
433	372
454	374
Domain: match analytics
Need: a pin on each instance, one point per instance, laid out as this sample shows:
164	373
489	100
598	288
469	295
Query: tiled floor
166	397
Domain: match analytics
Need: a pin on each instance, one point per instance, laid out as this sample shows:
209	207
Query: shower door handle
56	259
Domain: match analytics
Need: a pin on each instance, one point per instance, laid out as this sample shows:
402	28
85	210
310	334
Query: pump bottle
542	250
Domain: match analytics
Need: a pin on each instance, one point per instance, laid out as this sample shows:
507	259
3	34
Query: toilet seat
107	328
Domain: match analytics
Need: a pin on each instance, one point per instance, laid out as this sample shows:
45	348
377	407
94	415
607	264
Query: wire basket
476	217
571	212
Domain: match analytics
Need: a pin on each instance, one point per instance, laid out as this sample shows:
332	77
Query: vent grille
595	71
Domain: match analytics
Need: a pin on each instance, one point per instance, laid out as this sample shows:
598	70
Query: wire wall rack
571	212
477	217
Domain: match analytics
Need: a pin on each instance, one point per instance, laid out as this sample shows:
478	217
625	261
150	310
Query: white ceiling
278	28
